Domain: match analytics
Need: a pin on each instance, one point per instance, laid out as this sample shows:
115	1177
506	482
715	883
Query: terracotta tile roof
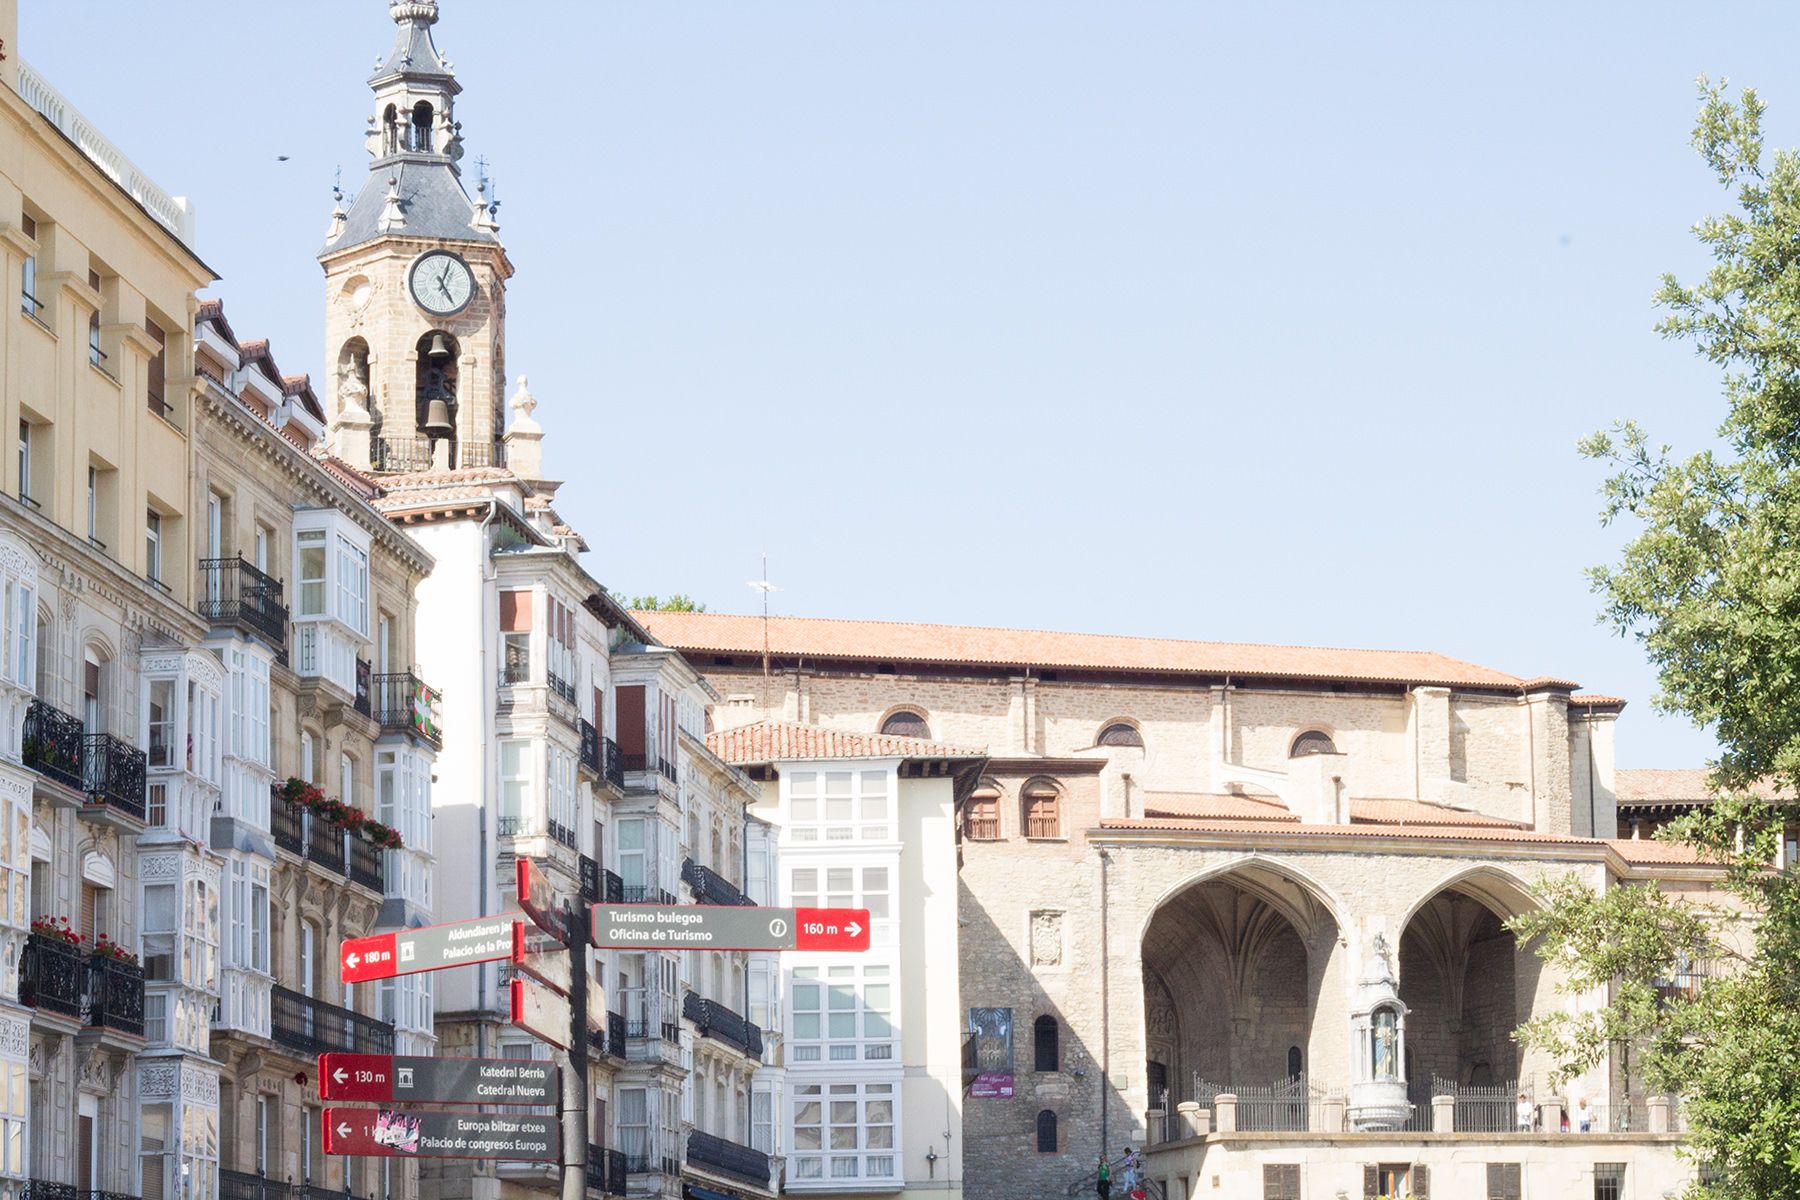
431	489
1645	786
1206	806
1648	850
1417	812
773	741
352	478
819	638
1597	701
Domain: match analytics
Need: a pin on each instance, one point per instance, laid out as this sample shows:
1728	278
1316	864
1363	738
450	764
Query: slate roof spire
415	145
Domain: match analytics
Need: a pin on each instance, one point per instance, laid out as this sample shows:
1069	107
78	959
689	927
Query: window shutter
1503	1181
90	911
90	678
1421	1181
630	723
515	612
1371	1181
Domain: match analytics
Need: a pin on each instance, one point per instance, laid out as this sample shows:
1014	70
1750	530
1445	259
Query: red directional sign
431	948
386	1133
541	901
831	929
403	1079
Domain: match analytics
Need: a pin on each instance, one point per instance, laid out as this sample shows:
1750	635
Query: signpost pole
575	1079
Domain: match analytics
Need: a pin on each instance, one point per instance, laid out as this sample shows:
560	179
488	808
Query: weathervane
765	587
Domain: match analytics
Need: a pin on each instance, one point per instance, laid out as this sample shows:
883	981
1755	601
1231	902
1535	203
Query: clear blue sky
1249	322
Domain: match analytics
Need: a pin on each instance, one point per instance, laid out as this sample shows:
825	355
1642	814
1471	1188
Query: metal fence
1492	1109
1288	1105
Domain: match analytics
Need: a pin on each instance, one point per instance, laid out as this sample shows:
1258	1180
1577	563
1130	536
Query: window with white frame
634	1127
405	1003
842	1013
561	776
518	805
161	922
843	1131
352	584
21	609
763	1013
156	1017
840	806
15	1110
246	781
200	936
309	570
402	801
331	565
203	732
247	908
199	1149
153	544
762	1120
634	857
849	887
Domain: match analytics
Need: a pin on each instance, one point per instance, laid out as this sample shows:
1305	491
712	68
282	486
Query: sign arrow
354	960
853	929
343	1130
340	1075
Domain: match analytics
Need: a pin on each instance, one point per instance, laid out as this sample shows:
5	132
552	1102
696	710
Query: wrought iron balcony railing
115	995
404	704
612	888
561	687
365	864
324	843
52	743
364	674
311	1026
113	773
715	1021
242	1185
563	835
615	1034
590	880
233	592
288	823
643	893
612	763
52	976
710	887
728	1158
590	748
615	1172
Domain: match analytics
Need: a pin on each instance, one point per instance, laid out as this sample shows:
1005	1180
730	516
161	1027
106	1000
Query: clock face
441	283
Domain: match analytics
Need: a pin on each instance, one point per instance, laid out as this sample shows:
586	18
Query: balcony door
87	1167
310	977
93	713
215	545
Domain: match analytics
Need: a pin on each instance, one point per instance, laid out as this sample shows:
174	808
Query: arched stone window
1120	733
353	382
390	130
1041	808
981	815
1313	741
435	381
1046	1044
906	722
1296	1062
419	133
1046	1132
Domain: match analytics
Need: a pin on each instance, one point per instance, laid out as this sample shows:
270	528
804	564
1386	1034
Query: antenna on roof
765	587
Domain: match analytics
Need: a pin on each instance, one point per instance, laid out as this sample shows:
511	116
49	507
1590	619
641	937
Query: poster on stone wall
992	1030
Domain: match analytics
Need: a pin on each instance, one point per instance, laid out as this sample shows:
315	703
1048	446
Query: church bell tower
415	279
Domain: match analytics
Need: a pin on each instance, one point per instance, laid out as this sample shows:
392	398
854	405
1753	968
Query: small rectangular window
153	545
25	463
1503	1181
158	361
1609	1181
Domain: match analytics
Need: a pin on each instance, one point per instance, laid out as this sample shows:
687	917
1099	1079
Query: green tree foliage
676	603
1710	585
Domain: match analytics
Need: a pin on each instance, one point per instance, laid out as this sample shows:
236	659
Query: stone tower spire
415	278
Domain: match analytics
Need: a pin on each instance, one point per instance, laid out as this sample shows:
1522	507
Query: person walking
1133	1168
1524	1118
1103	1181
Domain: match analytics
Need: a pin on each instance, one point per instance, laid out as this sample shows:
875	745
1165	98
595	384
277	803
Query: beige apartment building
1238	907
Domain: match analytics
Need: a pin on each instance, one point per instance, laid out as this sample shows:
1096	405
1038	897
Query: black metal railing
364	673
612	888
643	893
233	592
404	704
710	887
312	1026
615	1172
728	1158
612	763
365	864
45	1189
561	687
288	823
115	996
719	1023
52	745
590	748
596	1169
325	843
590	880
113	773
241	1185
637	1027
563	835
414	454
615	1034
52	976
667	767
518	827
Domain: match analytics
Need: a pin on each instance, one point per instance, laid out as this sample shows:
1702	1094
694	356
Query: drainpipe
481	810
1105	1009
